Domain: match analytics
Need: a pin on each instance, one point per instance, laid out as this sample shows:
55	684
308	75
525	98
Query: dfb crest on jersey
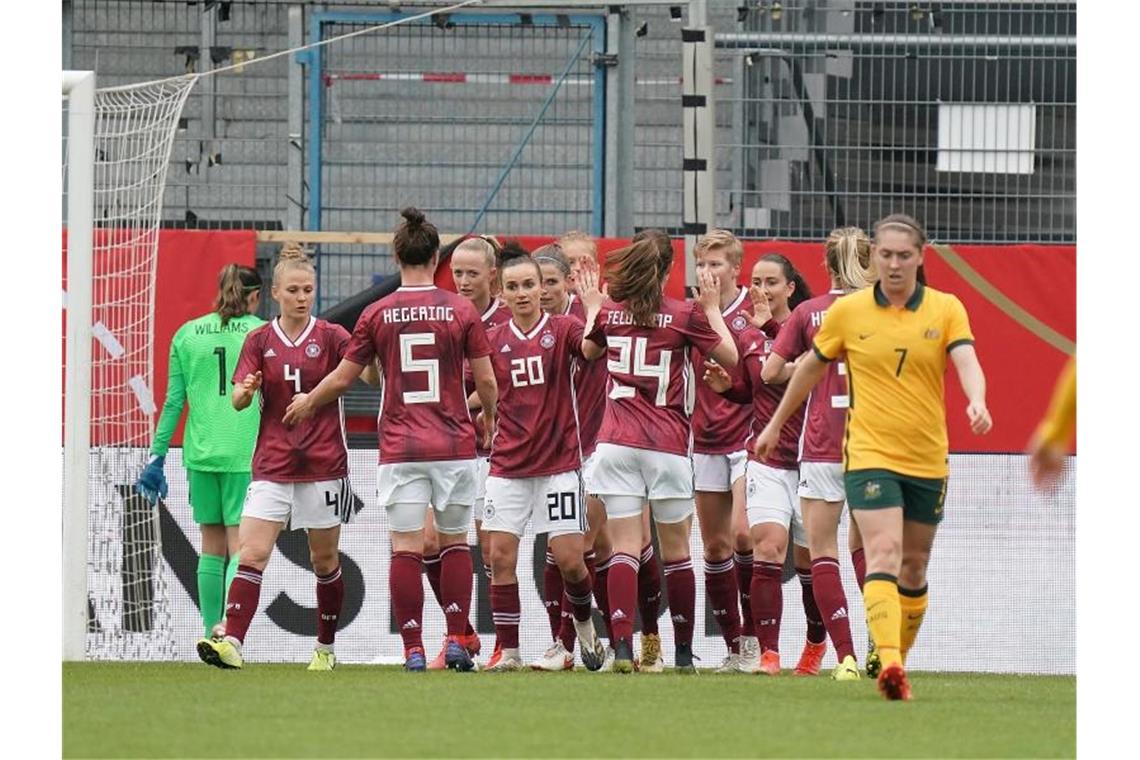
313	350
547	340
739	322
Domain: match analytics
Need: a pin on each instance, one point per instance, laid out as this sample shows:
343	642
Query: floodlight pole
698	133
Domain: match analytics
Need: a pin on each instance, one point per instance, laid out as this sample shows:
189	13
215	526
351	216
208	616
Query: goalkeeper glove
152	483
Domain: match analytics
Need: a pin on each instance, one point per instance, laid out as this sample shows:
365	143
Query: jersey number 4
430	367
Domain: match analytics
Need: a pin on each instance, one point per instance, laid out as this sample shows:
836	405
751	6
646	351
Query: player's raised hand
592	293
765	443
761	309
716	377
979	416
299	409
709	294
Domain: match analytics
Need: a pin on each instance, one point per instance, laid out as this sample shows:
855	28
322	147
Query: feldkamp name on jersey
419	314
625	318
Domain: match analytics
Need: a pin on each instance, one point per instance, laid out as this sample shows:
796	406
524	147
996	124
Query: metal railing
837	111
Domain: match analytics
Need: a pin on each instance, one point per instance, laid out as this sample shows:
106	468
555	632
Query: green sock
211	598
231	571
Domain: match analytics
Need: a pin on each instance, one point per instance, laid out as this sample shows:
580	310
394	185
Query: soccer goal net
116	151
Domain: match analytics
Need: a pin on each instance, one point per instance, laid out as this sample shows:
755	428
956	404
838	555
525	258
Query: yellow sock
881	600
913	606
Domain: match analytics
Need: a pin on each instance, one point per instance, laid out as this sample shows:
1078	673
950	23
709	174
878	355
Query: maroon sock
649	589
743	562
566	633
682	585
720	588
431	569
767	602
833	604
602	595
859	560
816	630
578	598
622	584
552	593
241	603
455	581
407	592
507	613
330	597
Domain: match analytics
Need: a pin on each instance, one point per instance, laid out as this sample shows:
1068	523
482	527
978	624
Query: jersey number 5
430	367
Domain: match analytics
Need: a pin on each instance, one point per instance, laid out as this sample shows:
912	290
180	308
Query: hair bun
413	216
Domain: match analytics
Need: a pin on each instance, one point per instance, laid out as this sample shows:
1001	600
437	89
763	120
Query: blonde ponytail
848	256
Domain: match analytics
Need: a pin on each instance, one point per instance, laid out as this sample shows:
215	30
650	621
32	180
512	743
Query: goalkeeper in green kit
217	447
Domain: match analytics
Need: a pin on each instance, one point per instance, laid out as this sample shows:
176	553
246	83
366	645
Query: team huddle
591	404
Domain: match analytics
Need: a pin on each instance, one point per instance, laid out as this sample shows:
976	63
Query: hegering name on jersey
419	314
621	317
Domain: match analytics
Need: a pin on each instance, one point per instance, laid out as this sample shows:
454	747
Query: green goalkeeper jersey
203	355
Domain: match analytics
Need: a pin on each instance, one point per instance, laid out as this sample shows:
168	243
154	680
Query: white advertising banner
1002	583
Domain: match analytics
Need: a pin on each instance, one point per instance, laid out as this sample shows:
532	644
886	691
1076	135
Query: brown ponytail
636	273
416	239
235	283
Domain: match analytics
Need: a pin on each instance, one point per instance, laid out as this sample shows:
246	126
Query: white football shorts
772	499
482	471
717	472
318	504
588	473
822	480
625	477
406	489
553	504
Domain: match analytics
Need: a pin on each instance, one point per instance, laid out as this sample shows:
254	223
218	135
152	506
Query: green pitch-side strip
1004	302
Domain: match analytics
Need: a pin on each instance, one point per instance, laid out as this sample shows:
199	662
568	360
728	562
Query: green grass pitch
191	710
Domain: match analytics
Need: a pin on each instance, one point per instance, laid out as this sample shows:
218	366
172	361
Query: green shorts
217	497
921	499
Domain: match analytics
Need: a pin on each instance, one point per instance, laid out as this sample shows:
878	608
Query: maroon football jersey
822	439
591	389
765	399
649	371
422	336
720	425
497	313
311	450
537	432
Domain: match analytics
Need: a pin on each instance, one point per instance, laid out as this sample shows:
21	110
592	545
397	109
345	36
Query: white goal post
79	89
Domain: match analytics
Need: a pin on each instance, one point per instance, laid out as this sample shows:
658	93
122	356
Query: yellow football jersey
896	362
